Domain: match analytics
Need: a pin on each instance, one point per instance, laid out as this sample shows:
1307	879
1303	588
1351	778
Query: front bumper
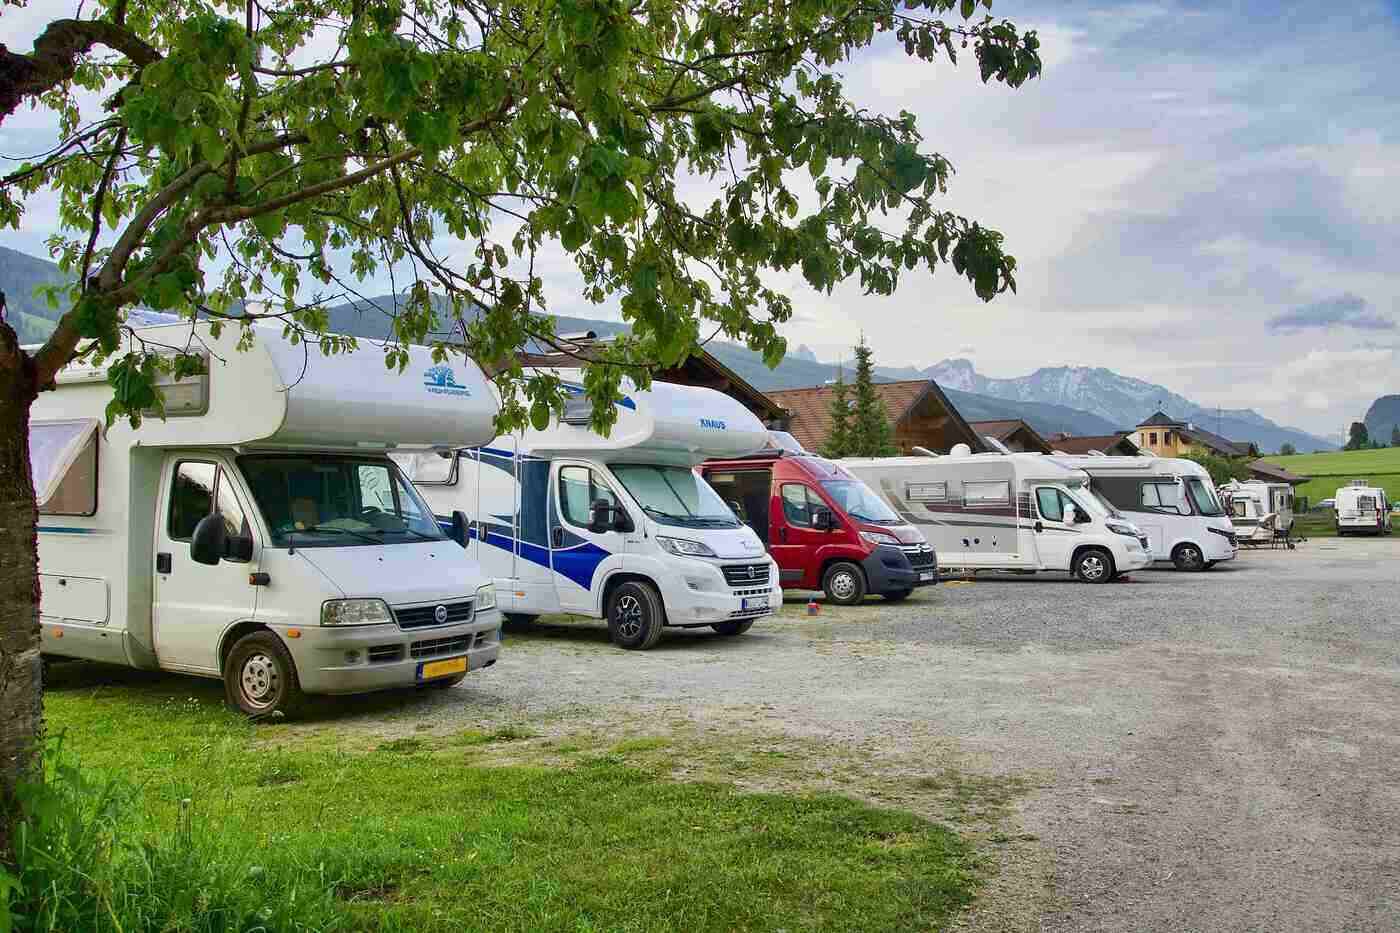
888	570
364	658
1218	547
700	595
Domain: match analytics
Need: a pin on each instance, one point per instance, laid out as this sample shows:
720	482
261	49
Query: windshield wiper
326	530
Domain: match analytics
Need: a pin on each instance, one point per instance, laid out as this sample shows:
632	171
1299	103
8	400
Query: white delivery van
1018	512
260	533
1172	500
1362	509
1248	502
618	527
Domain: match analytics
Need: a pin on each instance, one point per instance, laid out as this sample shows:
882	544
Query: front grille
746	575
920	556
761	591
437	647
382	654
426	615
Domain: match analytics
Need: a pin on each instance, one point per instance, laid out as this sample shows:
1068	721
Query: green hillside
1338	468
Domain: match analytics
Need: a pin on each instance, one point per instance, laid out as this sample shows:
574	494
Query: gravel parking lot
1216	751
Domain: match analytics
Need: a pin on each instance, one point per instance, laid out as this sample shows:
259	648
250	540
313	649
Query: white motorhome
618	527
1362	509
260	533
1018	512
1248	502
1172	500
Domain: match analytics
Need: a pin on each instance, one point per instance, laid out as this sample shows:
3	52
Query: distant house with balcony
1166	437
1110	445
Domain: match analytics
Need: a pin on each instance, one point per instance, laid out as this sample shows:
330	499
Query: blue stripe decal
578	563
71	530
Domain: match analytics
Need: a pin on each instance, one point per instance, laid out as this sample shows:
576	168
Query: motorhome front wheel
1094	566
635	616
844	584
1188	557
260	678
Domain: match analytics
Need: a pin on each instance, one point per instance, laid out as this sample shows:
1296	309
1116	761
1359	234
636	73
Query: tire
896	596
1094	565
1211	563
1188	558
635	616
730	629
517	620
260	678
844	583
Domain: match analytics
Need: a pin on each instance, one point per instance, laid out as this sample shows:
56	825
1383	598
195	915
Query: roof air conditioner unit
960	450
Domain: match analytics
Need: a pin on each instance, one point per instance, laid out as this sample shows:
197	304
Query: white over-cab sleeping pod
1172	500
1016	512
260	534
618	527
1362	509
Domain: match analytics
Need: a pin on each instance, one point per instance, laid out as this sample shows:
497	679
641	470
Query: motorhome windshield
1108	508
326	501
674	495
860	502
1203	497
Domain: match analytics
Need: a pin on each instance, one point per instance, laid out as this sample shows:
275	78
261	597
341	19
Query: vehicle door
797	532
1163	506
194	603
1055	534
577	546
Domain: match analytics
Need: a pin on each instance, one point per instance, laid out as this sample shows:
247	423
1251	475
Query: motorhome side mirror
238	547
209	542
1082	518
602	521
823	520
459	527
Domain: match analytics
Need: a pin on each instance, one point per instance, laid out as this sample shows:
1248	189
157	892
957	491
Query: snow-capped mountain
1123	400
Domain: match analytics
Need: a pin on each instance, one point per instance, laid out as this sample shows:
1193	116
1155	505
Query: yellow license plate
443	668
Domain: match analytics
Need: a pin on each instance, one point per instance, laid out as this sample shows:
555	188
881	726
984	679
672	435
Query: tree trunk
21	685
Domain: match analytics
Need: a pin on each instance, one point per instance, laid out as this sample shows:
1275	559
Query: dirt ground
1214	751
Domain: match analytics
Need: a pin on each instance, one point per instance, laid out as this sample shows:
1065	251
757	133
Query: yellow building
1167	437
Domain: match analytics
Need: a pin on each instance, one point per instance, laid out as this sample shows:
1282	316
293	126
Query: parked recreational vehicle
1171	500
259	533
1014	512
617	527
1248	502
1362	509
826	529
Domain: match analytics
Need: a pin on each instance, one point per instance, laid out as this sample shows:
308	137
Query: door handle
163	562
557	536
1039	526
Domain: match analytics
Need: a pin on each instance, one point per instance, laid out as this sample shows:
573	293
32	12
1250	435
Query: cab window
191	497
579	488
798	505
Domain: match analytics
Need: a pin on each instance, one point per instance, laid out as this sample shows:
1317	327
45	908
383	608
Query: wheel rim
843	585
260	679
1190	558
1092	566
628	616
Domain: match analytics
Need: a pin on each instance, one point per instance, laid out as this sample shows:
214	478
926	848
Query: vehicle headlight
355	612
684	547
485	598
1122	528
879	537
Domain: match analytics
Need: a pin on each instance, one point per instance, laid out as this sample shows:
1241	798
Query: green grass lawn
1329	471
419	833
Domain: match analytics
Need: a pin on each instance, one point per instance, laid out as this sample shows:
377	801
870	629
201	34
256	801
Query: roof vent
923	452
996	444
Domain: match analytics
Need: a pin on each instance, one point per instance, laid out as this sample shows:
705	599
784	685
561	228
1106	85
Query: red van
826	529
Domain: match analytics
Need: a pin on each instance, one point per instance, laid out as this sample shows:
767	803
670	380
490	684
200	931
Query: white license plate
926	576
754	602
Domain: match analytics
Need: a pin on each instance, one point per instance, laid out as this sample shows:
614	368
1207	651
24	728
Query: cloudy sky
1203	195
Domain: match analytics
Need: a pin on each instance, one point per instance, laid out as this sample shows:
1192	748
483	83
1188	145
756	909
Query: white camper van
1172	500
1248	502
260	534
618	527
1016	512
1362	509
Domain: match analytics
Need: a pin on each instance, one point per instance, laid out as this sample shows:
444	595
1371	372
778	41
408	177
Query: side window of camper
63	463
1051	506
986	494
191	497
579	488
1163	497
1239	508
797	506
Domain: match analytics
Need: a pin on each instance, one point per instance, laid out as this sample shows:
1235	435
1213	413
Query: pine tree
838	440
870	431
1395	435
1358	438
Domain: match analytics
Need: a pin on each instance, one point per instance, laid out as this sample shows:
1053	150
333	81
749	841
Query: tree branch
55	58
97	202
